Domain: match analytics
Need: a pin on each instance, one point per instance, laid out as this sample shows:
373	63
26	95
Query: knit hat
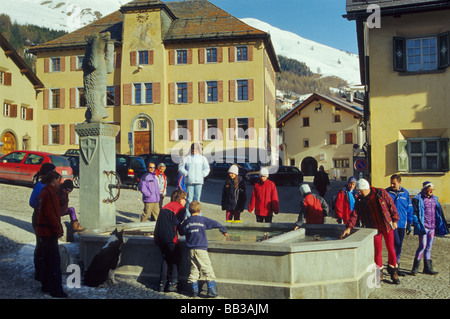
427	184
351	180
362	184
304	188
234	170
264	172
67	184
45	168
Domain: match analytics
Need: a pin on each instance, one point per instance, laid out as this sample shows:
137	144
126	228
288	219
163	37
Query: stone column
97	159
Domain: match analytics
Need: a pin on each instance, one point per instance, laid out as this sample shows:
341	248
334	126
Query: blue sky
317	20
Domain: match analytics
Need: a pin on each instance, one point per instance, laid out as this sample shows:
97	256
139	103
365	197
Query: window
333	138
181	56
241	53
305	142
80	59
242	90
6	109
182	94
348	138
336	118
341	163
211	55
421	54
26	113
423	155
182	130
242	128
211	91
110	95
34	159
211	129
2	77
305	121
292	161
143	57
143	93
55	134
55	98
55	64
81	98
15	157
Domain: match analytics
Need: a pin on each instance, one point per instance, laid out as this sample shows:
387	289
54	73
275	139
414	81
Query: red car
22	166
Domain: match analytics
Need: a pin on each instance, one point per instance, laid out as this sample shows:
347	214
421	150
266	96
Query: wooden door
141	143
9	143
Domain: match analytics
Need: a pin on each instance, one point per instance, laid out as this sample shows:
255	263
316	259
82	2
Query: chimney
349	96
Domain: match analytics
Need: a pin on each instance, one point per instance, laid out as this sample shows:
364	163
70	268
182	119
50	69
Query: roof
194	20
354	108
358	8
21	64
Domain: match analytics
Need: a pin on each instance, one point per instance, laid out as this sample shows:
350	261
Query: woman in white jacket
194	168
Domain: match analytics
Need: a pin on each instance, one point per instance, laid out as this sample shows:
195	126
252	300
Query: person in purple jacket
194	228
149	188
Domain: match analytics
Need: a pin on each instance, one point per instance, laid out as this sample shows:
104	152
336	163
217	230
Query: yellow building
405	65
18	85
184	70
322	130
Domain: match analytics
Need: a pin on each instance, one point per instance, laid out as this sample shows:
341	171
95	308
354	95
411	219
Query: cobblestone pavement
17	240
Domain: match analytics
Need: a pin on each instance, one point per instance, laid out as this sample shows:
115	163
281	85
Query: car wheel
76	181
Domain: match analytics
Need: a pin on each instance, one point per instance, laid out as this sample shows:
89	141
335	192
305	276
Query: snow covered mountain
74	14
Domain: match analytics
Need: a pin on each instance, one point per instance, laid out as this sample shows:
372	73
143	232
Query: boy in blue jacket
194	228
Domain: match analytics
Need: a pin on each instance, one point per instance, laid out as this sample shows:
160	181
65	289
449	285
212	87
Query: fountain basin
287	266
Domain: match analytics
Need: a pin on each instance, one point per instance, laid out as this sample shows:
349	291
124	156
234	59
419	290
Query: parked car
171	166
130	169
72	151
74	161
220	170
22	166
284	175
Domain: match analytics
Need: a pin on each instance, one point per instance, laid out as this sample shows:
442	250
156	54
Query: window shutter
117	95
46	65
133	58
172	136
62	63
151	57
201	92
399	54
250	53
443	47
73	63
402	156
219	55
45	135
251	94
8	79
220	91
127	92
171	93
232	90
72	134
156	92
62	97
200	130
219	129
72	98
189	56
190	125
190	91
171	57
251	128
29	114
231	54
46	98
444	154
201	56
13	112
118	60
232	128
62	136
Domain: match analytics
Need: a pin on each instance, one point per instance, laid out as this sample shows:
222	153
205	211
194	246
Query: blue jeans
194	191
399	235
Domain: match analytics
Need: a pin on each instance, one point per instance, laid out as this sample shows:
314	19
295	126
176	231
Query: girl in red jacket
48	229
264	198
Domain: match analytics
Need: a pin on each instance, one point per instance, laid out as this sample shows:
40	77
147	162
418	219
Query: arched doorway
142	130
309	166
9	143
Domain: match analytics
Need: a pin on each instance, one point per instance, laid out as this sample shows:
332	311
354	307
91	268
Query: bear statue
97	63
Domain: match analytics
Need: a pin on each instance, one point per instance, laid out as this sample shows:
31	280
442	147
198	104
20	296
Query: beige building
18	95
405	67
184	71
322	130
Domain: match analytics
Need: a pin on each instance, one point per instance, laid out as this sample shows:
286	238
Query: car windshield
59	161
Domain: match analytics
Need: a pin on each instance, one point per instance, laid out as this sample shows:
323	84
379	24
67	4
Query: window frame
181	59
80	96
215	92
207	128
51	137
7	109
184	91
143	57
241	53
236	134
52	64
422	54
52	99
143	93
108	93
177	124
212	56
245	91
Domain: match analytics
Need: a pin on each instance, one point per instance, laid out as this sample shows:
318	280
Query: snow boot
415	268
172	287
212	289
428	267
393	271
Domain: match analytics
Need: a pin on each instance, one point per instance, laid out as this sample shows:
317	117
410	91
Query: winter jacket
314	208
386	210
170	216
180	183
342	207
195	227
48	218
234	198
162	182
418	217
63	199
264	199
403	204
195	168
37	189
149	188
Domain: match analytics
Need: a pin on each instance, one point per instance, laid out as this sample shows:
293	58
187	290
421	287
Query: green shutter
444	154
402	156
399	54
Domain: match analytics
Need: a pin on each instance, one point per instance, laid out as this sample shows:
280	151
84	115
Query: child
170	216
313	207
264	198
194	228
63	195
233	195
428	221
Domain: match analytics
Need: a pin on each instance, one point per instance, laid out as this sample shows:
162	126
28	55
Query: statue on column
98	62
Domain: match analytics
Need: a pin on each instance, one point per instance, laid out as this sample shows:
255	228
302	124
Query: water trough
269	261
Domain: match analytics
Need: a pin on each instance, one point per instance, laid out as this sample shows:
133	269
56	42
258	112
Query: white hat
362	184
304	188
264	172
233	169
